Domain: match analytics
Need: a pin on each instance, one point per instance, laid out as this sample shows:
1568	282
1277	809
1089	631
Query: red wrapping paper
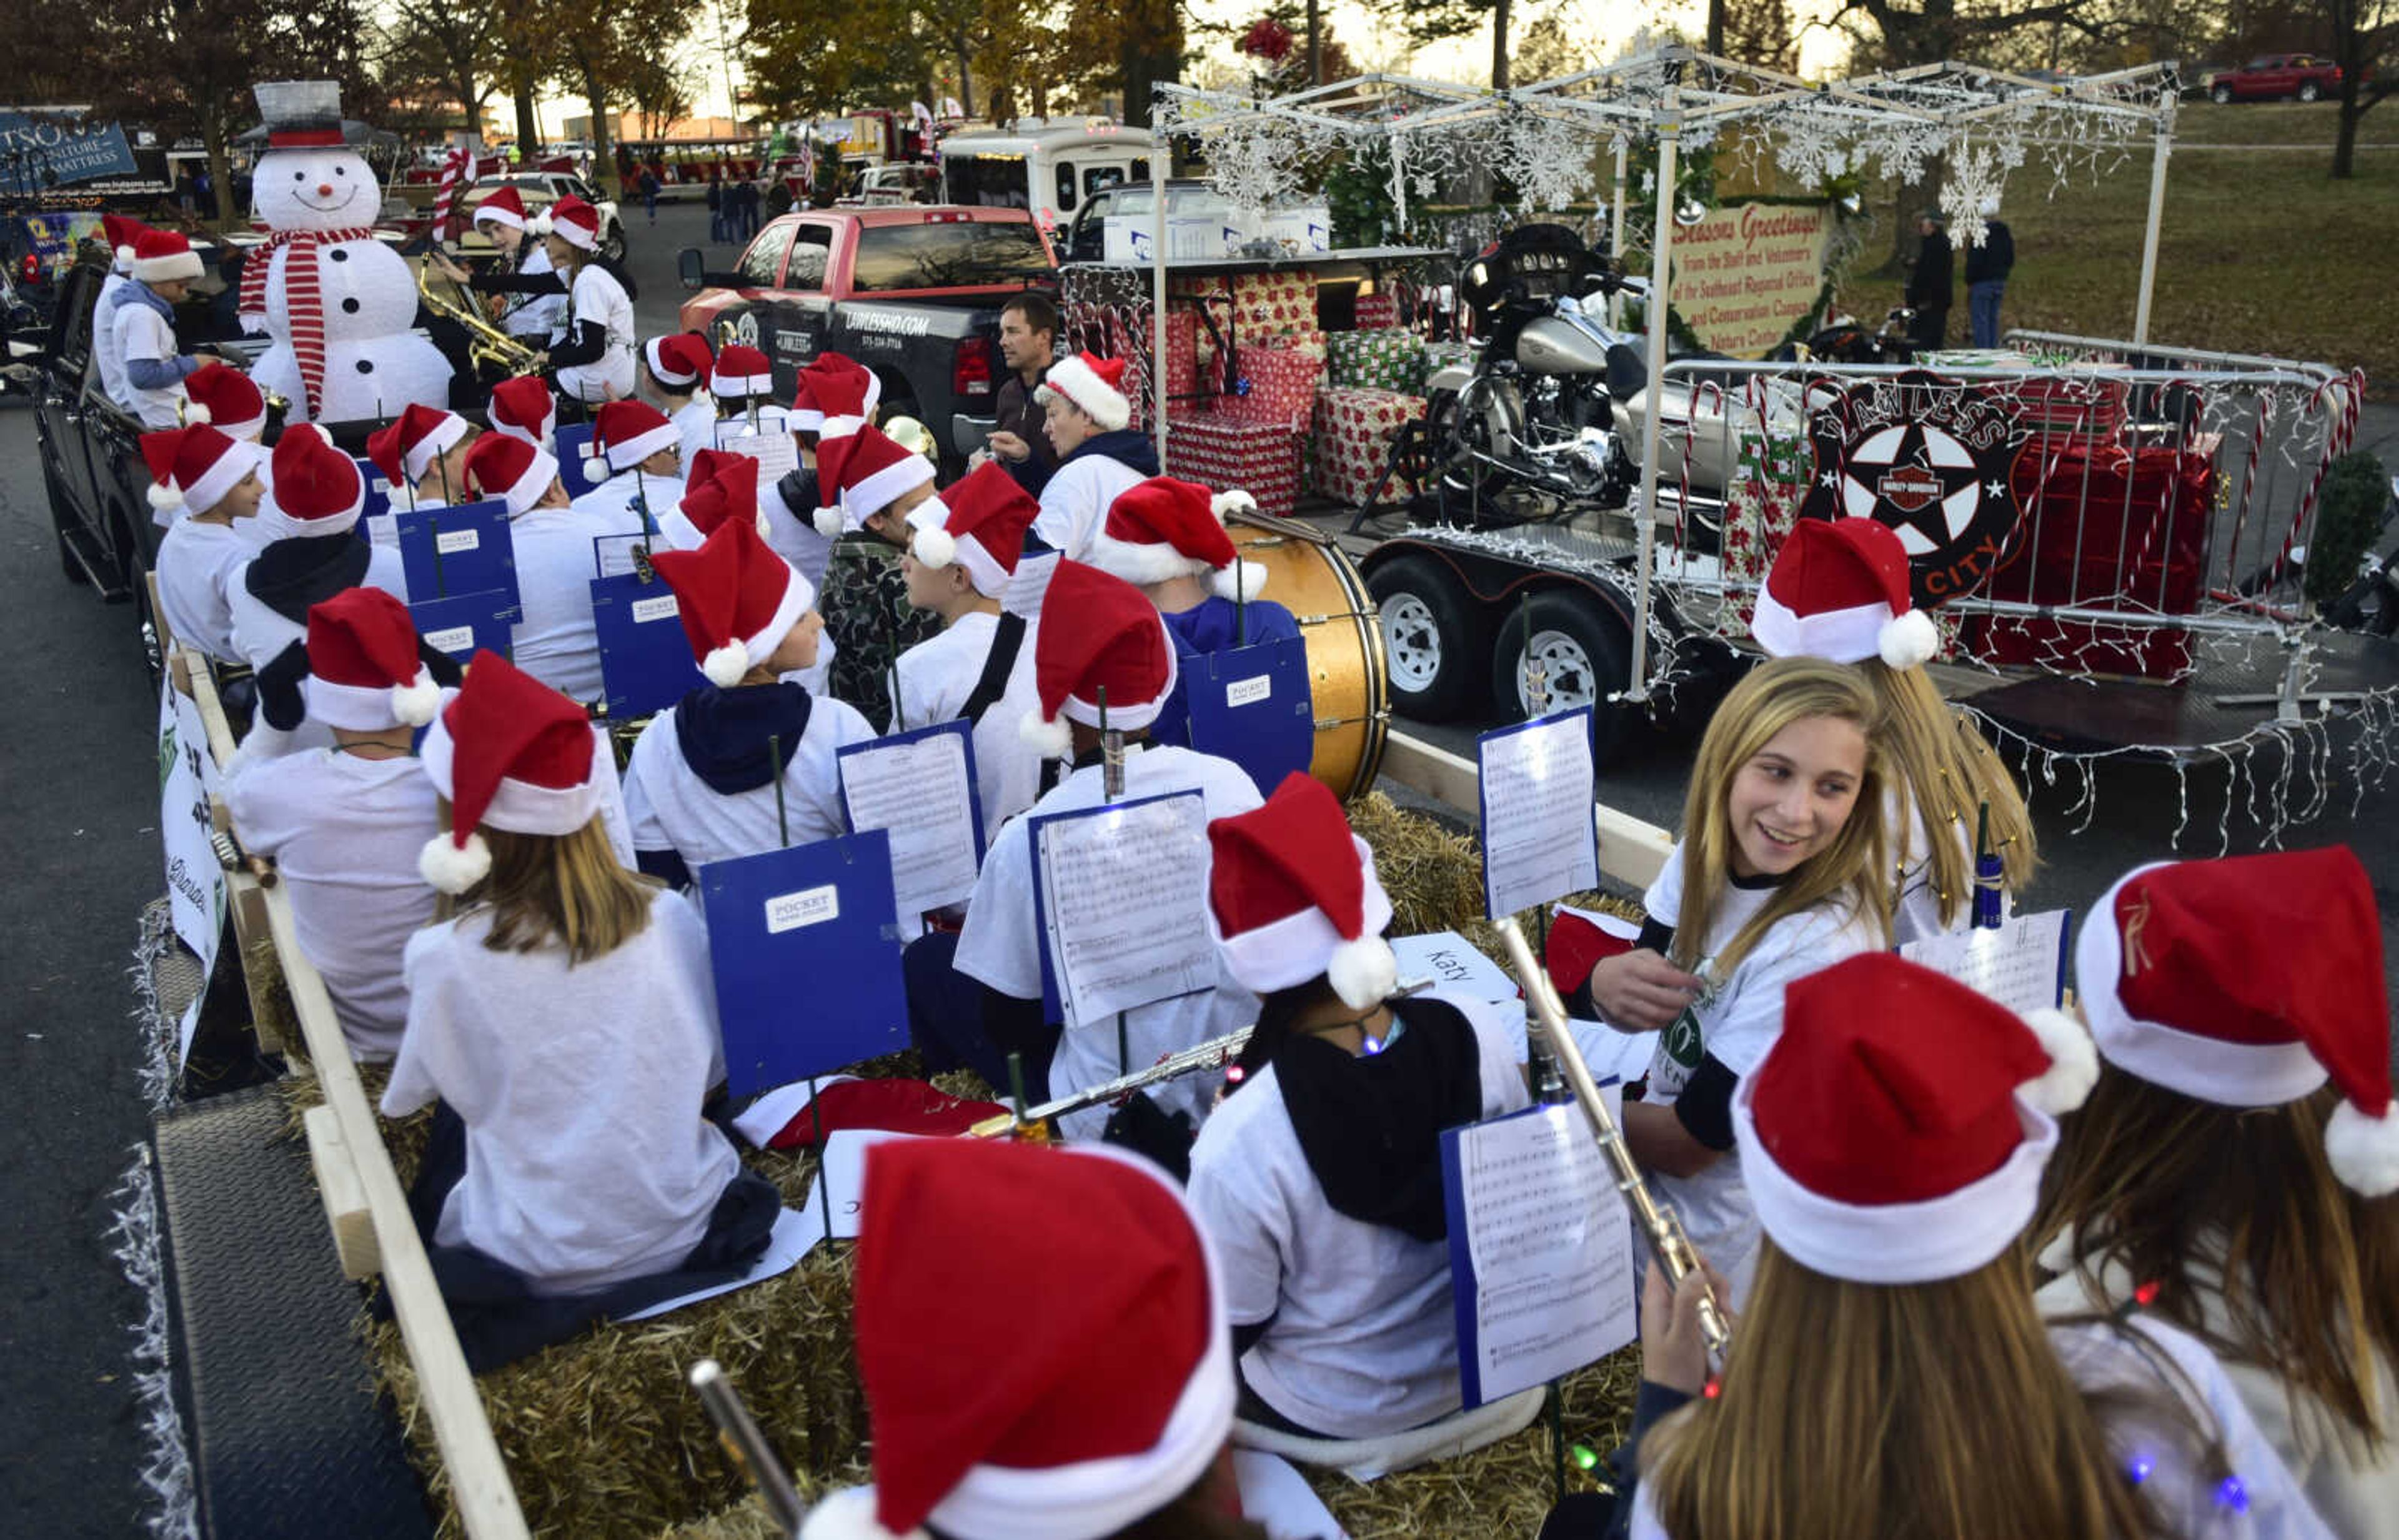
1377	310
1223	451
1354	427
1283	385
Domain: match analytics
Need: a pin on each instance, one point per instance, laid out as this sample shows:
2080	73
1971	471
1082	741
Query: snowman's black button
350	306
366	366
338	254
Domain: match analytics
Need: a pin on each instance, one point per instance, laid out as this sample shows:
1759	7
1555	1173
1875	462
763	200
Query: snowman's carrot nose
324	189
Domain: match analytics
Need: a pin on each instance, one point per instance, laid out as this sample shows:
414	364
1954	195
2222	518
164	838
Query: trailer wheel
1435	638
1585	654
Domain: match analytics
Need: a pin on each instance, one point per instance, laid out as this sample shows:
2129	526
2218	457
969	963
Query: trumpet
1546	1012
490	348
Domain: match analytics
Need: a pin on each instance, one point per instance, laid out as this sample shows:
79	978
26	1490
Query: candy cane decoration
453	181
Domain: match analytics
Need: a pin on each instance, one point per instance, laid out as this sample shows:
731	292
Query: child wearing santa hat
119	231
718	485
742	380
523	408
309	548
550	1199
539	311
674	377
423	456
225	398
2237	1169
830	384
745	763
1319	1179
345	824
216	478
1089	422
867	481
162	273
591	354
975	997
1890	1375
638	456
556	641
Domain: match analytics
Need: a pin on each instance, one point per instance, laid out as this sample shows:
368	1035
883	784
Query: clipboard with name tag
645	663
462	549
574	459
1251	705
805	947
464	623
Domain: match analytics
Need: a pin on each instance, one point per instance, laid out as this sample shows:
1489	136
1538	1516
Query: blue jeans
1982	310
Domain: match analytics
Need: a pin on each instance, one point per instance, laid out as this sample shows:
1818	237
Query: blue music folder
457	549
804	946
645	663
378	501
464	624
1251	705
572	447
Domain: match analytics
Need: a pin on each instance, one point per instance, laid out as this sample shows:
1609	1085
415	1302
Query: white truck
1048	165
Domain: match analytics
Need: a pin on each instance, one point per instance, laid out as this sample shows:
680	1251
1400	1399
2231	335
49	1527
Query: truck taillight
971	374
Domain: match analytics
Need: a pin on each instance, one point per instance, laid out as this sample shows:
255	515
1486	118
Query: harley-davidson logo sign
1930	458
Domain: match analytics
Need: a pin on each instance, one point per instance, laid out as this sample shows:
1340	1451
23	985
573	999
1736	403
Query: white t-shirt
260	633
791	532
1364	1340
1000	944
588	1161
937	676
345	833
104	341
597	296
538	319
672	808
197	564
1916	910
695	426
1073	506
141	333
556	642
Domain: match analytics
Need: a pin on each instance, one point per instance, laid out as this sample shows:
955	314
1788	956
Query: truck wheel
2221	96
1435	637
613	245
1585	654
2309	90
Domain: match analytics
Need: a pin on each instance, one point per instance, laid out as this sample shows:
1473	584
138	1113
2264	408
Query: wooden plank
243	898
1631	850
343	1195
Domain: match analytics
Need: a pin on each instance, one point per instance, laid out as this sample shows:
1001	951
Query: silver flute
738	1433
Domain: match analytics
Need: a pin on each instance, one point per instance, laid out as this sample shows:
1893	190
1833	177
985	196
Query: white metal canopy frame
1987	122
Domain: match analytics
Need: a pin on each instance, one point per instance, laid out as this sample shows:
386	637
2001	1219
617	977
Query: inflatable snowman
337	301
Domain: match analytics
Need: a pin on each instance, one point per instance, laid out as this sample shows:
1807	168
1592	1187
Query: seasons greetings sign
1747	271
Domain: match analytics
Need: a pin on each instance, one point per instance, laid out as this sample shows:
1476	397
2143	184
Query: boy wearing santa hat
309	550
214	479
1100	456
423	456
523	408
163	271
673	378
742	380
639	455
556	641
120	231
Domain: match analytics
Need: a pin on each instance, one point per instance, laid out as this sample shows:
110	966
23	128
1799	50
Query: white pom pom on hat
726	665
1232	500
829	522
198	412
1906	640
448	867
415	702
1363	972
2073	1063
1050	735
2363	1149
164	495
934	548
1242	580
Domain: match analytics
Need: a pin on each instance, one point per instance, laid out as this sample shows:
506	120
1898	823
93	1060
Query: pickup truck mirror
691	270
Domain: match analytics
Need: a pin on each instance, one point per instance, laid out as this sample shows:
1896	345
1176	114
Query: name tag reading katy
2021	964
820	913
645	663
776	451
577	467
446	550
1251	705
1120	892
1539	841
919	789
467	623
1541	1249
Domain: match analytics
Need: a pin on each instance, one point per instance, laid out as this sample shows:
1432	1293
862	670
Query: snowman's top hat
303	115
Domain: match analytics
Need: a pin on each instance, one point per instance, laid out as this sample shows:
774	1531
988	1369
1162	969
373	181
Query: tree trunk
2344	144
603	154
1499	46
220	167
528	126
1715	27
1315	44
464	83
965	79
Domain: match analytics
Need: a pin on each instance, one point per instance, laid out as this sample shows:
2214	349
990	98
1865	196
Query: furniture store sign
1747	271
41	150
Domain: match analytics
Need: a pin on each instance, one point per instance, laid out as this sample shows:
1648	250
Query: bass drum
1348	682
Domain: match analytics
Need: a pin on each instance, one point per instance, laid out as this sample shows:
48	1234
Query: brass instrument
491	348
914	437
1545	1012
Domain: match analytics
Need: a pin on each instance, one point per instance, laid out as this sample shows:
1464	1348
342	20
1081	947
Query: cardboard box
1300	231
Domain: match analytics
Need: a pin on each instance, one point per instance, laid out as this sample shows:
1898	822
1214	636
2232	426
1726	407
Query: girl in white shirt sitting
1319	1180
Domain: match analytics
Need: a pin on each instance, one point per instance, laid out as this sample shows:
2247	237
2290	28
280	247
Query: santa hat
678	360
574	222
1838	590
2248	982
1102	634
737	600
195	467
730	493
1946	1112
741	371
511	752
1093	383
979	522
837	394
317	489
510	469
523	408
502	207
1162	528
626	433
1291	895
223	395
121	231
858	476
1062	1402
160	256
366	666
405	447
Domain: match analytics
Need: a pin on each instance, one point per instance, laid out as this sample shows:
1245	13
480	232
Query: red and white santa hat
1162	528
502	207
511	752
2249	981
160	256
1063	1402
858	474
523	408
511	470
405	447
1101	635
979	524
837	394
318	490
741	371
737	600
1291	894
366	668
1093	383
626	433
121	231
1838	590
195	467
1897	1129
223	395
728	492
572	220
679	359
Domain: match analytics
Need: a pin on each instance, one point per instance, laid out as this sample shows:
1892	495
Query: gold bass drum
1348	682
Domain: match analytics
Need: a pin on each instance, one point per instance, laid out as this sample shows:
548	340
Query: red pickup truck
2306	75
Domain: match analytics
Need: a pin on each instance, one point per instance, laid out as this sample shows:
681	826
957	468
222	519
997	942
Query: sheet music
919	786
1124	891
1539	842
2021	964
612	554
1549	1247
795	1235
776	453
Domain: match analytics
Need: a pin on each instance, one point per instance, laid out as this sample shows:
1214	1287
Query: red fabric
1220	451
899	1106
1892	1084
706	463
362	636
837	384
844	463
680	358
1283	385
1839	564
1165	511
2278	948
1292	854
726	591
498	463
503	199
179	456
524	402
573	211
994	508
506	725
312	479
303	302
1102	634
226	392
740	361
1575	946
389	446
622	422
1377	312
730	493
1017	1305
1354	427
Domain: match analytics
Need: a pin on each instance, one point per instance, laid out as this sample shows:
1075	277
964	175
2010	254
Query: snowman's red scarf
302	299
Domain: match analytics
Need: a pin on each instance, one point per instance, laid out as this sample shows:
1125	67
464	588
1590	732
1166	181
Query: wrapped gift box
1386	359
1281	379
1441	356
1223	451
1354	427
1191	362
1258	304
1377	310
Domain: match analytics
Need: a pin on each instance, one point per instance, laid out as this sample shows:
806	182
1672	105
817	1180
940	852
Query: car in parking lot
2271	76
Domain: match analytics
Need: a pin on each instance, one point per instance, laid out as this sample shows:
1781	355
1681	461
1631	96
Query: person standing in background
717	226
1028	345
1988	262
1930	286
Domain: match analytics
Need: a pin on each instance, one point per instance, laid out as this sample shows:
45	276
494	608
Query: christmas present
1377	310
1223	451
1258	304
1386	359
1354	427
1769	482
1441	356
1281	381
1191	362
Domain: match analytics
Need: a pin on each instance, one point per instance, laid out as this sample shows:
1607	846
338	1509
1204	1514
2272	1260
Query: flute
1544	1010
739	1435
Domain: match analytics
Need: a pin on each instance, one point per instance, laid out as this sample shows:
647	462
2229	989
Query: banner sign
41	151
1747	271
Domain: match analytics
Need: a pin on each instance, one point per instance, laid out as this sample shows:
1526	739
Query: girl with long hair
2235	1169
